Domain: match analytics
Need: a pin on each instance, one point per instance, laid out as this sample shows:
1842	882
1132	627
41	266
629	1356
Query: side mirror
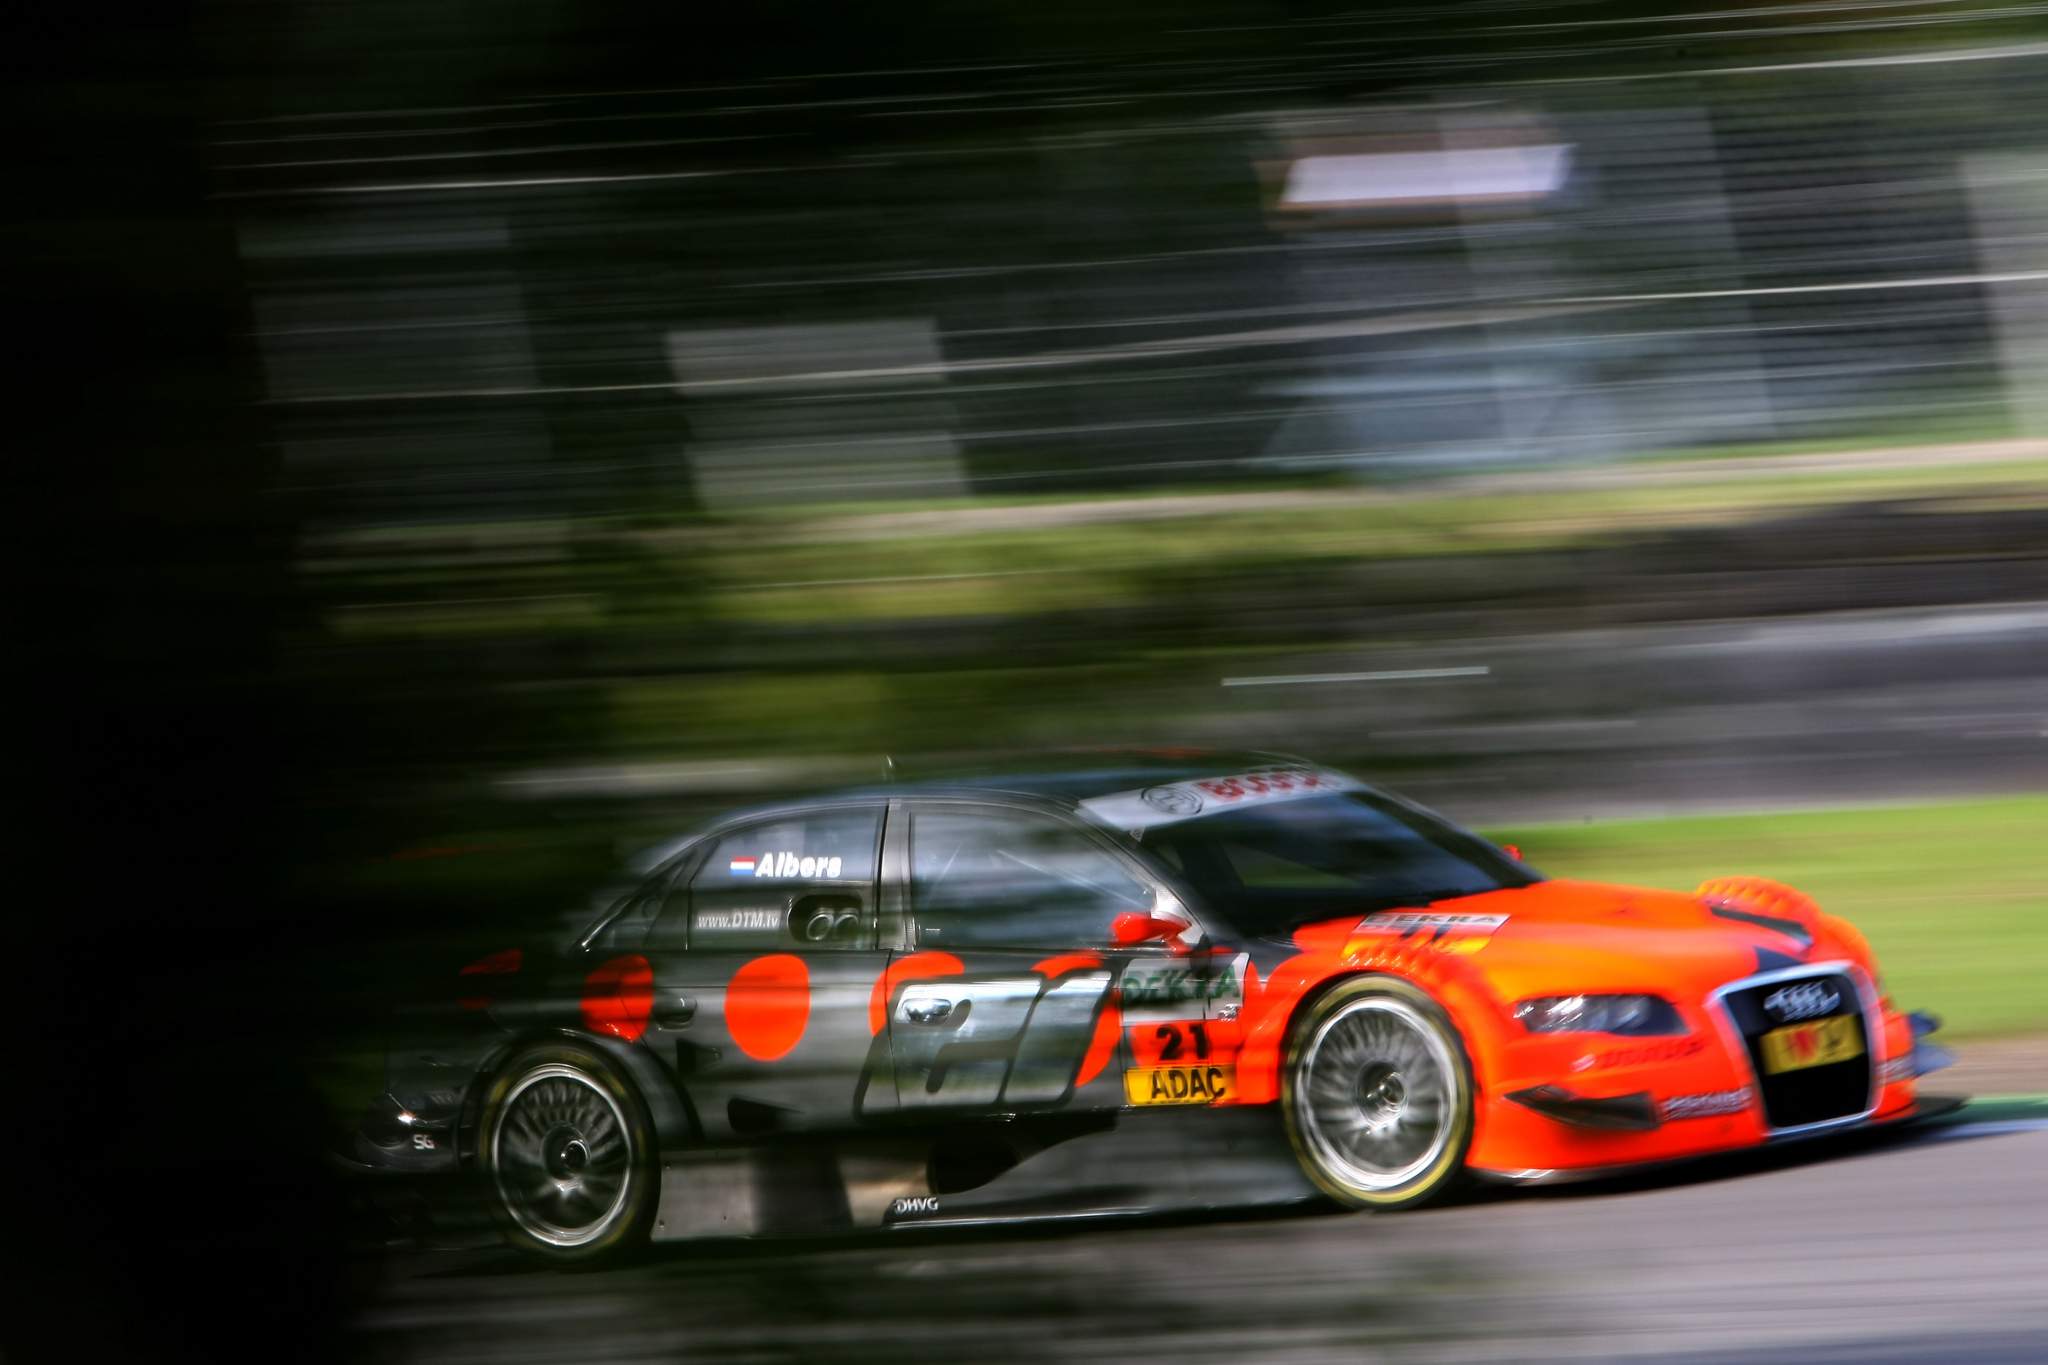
1513	851
1131	928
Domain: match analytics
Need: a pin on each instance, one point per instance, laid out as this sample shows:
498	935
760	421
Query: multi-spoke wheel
1377	1094
567	1152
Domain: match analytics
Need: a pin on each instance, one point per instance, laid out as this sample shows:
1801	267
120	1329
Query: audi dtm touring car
1128	984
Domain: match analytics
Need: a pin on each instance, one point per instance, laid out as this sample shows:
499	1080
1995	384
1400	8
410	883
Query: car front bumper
1565	1102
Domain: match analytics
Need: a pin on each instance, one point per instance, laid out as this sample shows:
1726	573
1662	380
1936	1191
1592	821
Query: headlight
1638	1015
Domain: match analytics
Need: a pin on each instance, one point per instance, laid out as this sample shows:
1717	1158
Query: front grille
1811	1094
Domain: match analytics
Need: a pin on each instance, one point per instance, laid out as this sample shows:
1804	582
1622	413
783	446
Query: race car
1125	983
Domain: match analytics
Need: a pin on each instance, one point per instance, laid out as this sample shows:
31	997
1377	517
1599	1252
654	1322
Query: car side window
803	882
629	926
999	878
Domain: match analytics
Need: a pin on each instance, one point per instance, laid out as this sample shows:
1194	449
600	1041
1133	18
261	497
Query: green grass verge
1953	897
803	567
1086	565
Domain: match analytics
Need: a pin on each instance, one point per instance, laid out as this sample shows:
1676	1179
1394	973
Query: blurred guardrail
664	436
1029	280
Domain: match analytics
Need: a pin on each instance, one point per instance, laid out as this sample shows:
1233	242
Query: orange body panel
1569	938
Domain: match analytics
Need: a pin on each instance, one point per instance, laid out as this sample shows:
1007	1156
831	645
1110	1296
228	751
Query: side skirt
1142	1163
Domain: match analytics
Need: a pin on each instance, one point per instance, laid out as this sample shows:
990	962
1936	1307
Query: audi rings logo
1802	1000
1172	800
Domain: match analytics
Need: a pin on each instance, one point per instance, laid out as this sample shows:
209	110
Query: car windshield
1269	869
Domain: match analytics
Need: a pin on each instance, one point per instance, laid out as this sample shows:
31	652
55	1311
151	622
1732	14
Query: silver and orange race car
1125	984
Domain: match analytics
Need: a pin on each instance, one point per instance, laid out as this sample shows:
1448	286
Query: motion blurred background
464	441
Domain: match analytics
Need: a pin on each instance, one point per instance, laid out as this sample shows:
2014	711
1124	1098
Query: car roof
1061	778
1067	777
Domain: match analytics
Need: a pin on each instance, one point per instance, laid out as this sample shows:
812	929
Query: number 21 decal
1183	1040
1174	1038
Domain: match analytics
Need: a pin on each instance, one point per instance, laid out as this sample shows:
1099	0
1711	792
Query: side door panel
1006	1039
1053	1044
765	961
1010	1001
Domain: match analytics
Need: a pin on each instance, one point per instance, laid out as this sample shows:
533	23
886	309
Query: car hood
1561	936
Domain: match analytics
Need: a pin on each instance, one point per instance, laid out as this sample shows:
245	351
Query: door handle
679	1011
927	1010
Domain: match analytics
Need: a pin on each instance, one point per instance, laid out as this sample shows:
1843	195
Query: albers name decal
783	863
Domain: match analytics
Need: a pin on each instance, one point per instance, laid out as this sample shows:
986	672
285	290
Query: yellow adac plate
1798	1046
1179	1084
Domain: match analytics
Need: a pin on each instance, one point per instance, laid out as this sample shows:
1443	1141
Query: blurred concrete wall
777	414
2009	194
1068	284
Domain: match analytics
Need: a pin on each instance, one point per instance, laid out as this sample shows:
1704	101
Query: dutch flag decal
742	867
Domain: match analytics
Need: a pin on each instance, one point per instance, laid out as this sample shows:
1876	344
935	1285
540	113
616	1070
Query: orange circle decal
767	1004
916	967
618	997
1066	962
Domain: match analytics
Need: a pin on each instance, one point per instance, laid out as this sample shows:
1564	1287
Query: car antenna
888	767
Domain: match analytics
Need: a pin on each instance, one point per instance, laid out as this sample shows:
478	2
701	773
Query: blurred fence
635	420
1031	280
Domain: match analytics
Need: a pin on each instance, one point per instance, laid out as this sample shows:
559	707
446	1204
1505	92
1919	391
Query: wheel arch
1459	1143
1432	986
1450	984
667	1103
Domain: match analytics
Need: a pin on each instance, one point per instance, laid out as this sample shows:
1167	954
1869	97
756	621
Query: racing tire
567	1155
1377	1094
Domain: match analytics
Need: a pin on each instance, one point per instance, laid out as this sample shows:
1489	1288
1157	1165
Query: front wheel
1377	1094
567	1154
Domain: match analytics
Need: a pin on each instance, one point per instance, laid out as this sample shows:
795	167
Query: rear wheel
1377	1094
567	1154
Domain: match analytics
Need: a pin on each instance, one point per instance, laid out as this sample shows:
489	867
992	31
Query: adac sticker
1179	1084
783	863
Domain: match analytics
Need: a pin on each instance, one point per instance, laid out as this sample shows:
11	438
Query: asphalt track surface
1928	1244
